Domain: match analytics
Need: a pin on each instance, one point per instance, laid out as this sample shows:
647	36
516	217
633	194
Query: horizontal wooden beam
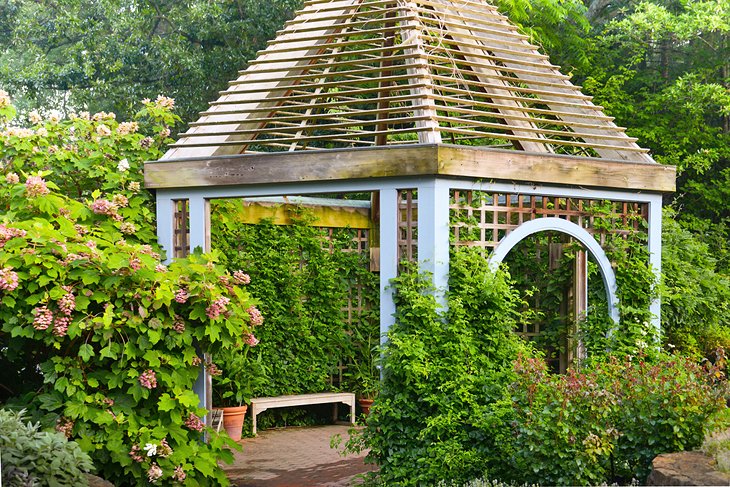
410	160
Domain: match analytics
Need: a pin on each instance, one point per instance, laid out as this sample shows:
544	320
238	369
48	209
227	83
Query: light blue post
433	233
388	257
165	222
199	238
655	254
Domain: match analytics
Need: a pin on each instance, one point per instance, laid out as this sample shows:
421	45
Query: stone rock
686	468
95	481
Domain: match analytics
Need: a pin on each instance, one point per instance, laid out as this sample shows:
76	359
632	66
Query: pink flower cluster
136	454
148	379
7	233
241	278
43	318
154	473
179	325
194	423
60	325
65	426
67	303
179	474
255	315
12	178
135	263
181	295
105	207
251	340
217	308
128	228
213	369
36	186
165	450
8	279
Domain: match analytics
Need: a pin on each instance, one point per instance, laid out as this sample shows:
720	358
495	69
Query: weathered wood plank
410	160
508	165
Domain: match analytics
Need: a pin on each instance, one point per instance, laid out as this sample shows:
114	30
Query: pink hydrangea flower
135	263
179	474
65	426
256	317
148	379
194	423
179	325
60	325
43	318
7	233
217	308
12	178
67	303
36	186
154	473
181	295
8	279
103	207
251	340
241	278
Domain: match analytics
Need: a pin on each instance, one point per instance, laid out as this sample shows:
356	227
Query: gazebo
421	103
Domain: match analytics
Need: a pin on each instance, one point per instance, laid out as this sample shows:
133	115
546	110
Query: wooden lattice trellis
482	219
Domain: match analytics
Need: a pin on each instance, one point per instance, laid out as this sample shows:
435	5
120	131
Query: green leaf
166	403
86	351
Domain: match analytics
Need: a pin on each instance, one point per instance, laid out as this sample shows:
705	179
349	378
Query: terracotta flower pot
365	405
233	420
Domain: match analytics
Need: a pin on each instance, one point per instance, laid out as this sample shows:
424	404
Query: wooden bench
261	404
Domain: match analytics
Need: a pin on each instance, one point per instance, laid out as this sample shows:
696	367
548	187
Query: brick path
295	457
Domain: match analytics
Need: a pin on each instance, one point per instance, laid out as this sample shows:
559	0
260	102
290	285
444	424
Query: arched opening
565	278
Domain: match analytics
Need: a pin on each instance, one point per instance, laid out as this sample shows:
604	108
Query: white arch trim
560	225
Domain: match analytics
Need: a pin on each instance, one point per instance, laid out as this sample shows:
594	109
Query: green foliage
105	55
444	399
606	422
303	287
695	293
100	337
33	457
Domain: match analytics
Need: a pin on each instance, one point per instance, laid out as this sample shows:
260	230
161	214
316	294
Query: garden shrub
32	457
444	401
302	281
105	341
607	421
695	292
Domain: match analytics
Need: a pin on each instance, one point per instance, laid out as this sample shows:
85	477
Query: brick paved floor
295	457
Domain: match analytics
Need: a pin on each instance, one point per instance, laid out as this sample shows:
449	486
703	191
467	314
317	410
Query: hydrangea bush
111	337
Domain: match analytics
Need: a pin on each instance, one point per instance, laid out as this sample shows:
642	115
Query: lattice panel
407	225
483	219
181	229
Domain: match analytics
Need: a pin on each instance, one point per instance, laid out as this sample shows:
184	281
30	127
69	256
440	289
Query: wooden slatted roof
362	73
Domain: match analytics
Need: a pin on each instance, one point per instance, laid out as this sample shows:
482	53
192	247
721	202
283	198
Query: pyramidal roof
362	73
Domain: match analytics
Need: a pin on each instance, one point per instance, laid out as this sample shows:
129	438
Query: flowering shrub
102	337
606	422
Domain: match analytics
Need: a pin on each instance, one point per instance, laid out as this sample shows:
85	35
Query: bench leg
334	412
352	413
253	419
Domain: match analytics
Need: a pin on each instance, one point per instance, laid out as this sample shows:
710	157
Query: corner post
655	254
200	238
388	257
433	234
165	223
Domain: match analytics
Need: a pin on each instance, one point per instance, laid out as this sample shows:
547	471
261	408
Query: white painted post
165	223
199	226
433	233
200	238
388	257
655	254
